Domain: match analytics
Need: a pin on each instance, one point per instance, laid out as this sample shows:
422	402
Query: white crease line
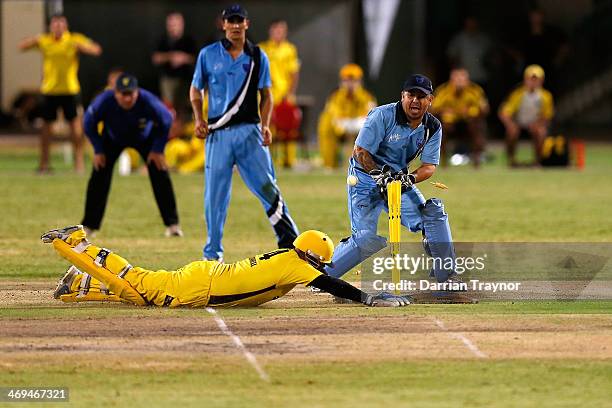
247	354
471	346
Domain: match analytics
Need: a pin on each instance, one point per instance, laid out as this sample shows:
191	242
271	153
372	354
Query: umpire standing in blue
391	138
234	71
130	117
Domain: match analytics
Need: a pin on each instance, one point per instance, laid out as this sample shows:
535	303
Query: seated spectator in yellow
528	110
462	106
185	153
343	116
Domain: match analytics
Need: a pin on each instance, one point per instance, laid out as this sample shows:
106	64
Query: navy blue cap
234	10
126	82
420	82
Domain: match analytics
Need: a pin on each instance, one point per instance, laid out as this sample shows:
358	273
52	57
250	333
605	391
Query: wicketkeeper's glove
386	299
407	179
382	177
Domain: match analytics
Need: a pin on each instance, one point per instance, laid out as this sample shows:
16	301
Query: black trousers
100	182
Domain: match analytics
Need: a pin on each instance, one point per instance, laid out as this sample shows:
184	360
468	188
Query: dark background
329	34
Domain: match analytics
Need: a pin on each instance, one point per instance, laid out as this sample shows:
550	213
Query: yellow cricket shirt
61	63
542	102
342	105
284	63
454	105
259	279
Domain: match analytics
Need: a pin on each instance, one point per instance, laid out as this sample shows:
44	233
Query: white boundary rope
250	357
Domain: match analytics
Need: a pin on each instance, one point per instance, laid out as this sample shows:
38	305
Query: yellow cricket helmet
534	70
351	71
316	246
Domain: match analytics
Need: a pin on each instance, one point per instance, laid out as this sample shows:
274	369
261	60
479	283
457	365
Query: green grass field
316	353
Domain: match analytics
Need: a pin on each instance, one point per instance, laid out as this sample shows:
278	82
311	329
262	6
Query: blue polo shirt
388	137
148	120
224	77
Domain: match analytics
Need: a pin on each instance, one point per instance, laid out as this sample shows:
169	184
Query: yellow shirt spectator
60	86
284	64
61	62
186	154
343	106
527	107
455	104
284	72
343	116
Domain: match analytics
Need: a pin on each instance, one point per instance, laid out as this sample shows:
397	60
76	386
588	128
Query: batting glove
385	299
382	177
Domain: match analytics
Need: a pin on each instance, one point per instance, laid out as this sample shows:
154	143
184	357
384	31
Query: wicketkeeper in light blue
235	71
392	137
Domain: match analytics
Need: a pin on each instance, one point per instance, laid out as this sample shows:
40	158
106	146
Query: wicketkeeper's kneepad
102	265
433	209
353	250
439	241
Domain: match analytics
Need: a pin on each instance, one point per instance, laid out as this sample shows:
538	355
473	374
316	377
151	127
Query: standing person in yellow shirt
285	74
343	116
527	110
462	106
60	85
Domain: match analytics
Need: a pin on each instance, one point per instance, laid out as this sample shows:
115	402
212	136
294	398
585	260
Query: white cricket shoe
64	284
174	230
60	233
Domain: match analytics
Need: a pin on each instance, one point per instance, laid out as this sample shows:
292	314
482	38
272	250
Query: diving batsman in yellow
259	279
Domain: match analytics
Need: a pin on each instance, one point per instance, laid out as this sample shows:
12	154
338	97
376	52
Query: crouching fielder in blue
391	138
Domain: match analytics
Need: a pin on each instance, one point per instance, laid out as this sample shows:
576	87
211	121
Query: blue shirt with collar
388	137
223	76
148	120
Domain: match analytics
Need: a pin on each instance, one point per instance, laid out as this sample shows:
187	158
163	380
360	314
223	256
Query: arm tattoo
364	158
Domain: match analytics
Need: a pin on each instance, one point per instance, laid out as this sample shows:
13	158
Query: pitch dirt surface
303	350
319	331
